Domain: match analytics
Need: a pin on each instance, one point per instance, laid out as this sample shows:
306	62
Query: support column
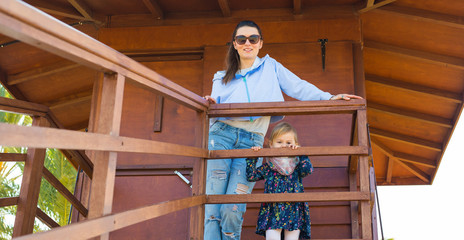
30	186
197	214
106	120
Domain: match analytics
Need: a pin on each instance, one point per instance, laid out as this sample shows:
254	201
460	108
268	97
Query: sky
430	211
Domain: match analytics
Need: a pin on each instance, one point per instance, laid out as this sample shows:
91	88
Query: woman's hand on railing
210	99
345	96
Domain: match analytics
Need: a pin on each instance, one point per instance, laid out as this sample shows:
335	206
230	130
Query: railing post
364	175
107	120
30	186
197	214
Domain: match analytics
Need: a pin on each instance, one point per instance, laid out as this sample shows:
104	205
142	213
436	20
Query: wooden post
107	120
354	206
358	70
197	214
364	175
30	186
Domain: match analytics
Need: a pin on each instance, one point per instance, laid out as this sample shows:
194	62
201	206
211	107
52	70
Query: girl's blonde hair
282	128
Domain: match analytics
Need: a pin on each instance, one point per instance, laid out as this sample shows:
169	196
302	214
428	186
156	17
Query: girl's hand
293	146
345	96
210	99
256	148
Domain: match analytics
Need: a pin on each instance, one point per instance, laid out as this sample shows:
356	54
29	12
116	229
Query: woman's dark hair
232	58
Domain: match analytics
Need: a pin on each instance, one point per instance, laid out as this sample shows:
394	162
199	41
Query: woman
248	78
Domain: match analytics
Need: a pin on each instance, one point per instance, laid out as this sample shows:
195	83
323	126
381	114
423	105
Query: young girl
282	175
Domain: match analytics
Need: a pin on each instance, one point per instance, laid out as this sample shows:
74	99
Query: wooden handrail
95	227
308	151
289	197
29	25
286	108
41	137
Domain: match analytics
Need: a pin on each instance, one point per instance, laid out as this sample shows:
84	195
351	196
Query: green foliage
50	200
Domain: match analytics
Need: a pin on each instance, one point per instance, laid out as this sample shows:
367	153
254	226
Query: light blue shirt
264	82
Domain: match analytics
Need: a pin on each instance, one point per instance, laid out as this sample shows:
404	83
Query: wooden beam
354	207
82	8
288	197
415	159
56	9
309	151
366	227
159	104
41	72
406	139
406	164
225	8
22	136
389	173
358	70
410	115
30	187
13	90
197	214
64	191
51	35
95	227
286	108
442	60
416	171
13	157
403	156
426	92
371	6
154	8
9	201
23	107
71	100
296	7
42	216
108	121
424	15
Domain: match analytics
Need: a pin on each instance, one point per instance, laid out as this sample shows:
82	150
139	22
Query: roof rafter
370	5
405	139
225	8
409	166
82	8
416	89
40	72
71	100
442	60
58	10
416	116
427	16
154	8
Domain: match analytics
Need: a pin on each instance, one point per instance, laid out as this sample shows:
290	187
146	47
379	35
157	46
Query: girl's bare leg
273	234
291	235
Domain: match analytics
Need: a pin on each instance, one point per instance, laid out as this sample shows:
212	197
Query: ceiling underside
413	65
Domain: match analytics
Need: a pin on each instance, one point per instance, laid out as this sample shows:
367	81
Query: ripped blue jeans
227	176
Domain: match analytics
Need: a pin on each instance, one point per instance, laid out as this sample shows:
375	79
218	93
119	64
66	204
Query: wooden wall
146	179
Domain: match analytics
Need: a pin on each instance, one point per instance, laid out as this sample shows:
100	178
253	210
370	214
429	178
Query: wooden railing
20	21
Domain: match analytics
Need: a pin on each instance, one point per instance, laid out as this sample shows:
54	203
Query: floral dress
282	215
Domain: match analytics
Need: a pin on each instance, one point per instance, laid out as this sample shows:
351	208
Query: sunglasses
253	39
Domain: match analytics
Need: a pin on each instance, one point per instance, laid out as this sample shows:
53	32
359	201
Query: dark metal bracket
323	41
